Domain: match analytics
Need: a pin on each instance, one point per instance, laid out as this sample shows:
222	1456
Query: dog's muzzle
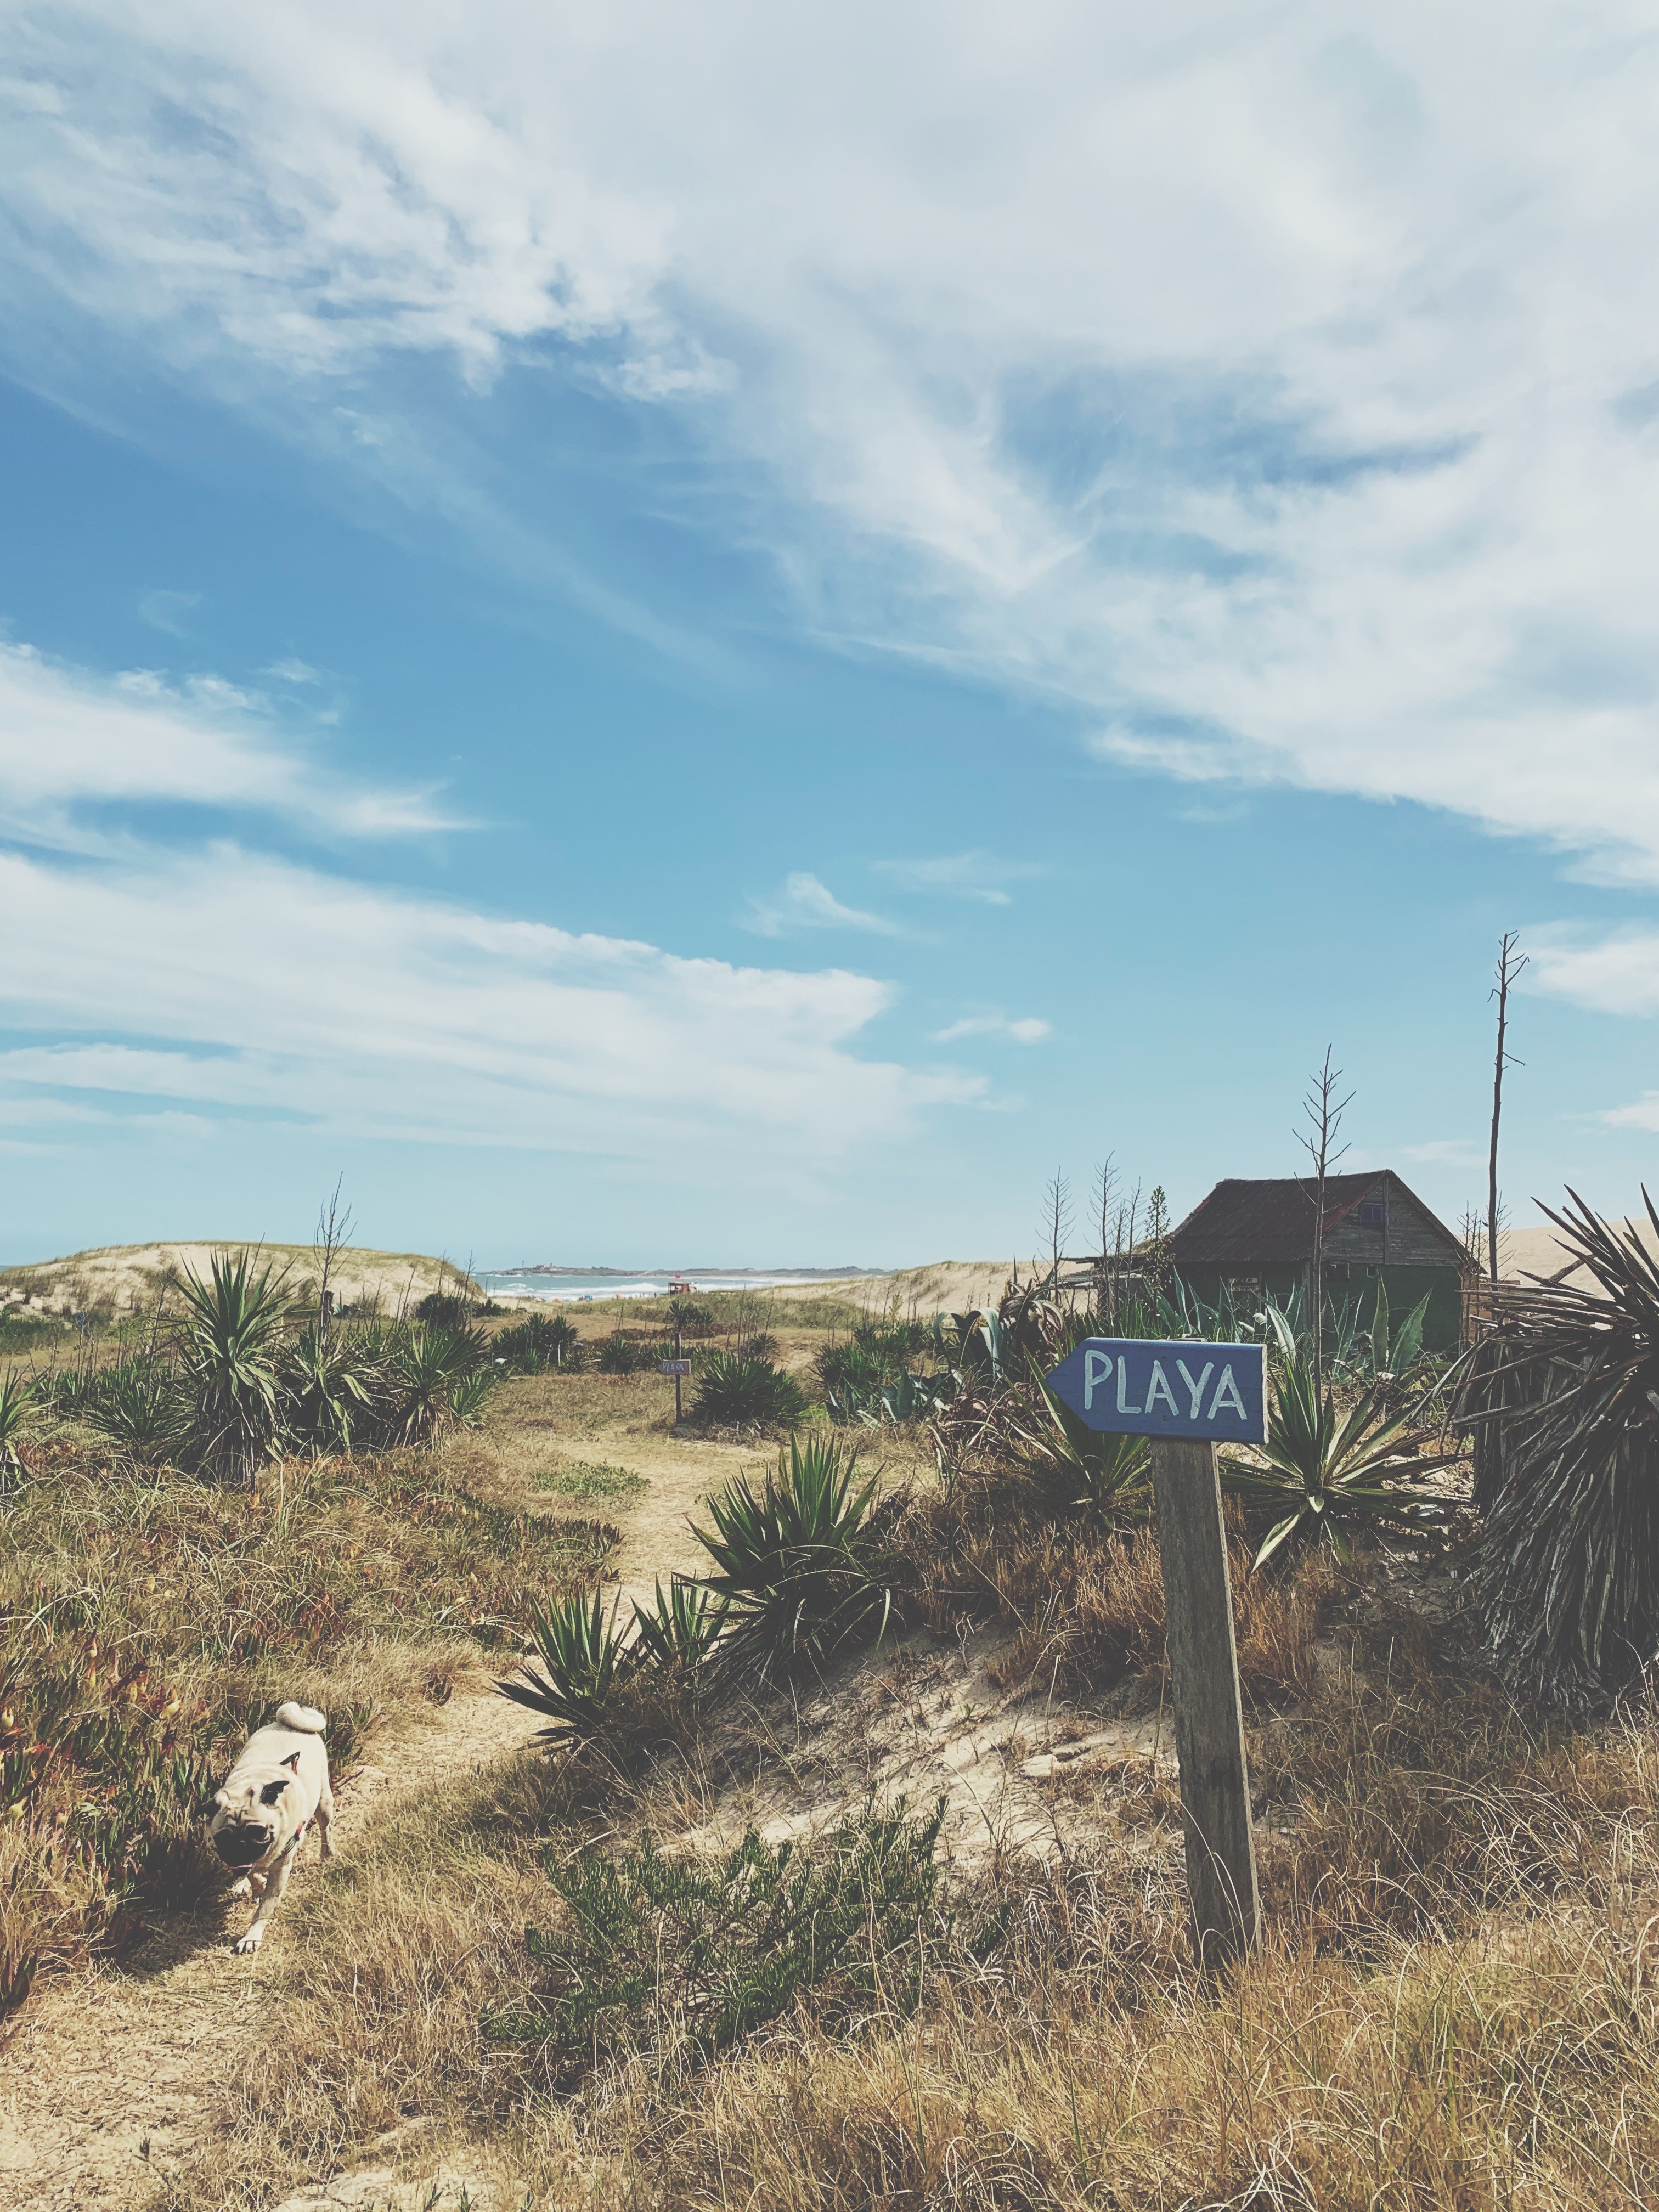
242	1848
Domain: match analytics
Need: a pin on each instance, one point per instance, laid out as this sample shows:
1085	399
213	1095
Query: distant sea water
584	1288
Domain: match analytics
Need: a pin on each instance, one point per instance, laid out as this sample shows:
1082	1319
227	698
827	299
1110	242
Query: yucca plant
733	1392
138	1406
796	1564
468	1398
681	1628
424	1368
539	1340
1563	1395
1323	1467
229	1337
580	1660
327	1389
18	1410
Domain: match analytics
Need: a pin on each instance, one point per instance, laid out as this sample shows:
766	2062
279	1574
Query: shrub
733	1392
684	1957
621	1355
539	1341
679	1634
328	1388
425	1369
442	1310
797	1565
17	1414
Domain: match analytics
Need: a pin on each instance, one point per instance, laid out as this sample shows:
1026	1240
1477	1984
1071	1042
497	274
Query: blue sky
726	636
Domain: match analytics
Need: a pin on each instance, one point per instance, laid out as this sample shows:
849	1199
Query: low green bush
736	1392
539	1342
580	1479
681	1958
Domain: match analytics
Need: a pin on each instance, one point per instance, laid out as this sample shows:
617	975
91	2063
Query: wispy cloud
1162	384
248	983
166	610
1026	1029
212	978
74	744
803	902
1443	1152
975	875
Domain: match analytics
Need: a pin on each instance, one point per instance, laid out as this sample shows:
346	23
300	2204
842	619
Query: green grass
582	1480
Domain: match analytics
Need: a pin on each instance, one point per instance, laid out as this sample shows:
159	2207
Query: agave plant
1324	1468
1563	1395
1078	1467
229	1337
580	1659
682	1627
795	1564
18	1408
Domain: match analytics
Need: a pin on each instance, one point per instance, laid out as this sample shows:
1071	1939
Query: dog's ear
293	1763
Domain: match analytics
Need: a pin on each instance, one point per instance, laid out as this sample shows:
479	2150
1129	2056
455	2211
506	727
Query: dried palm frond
1563	1396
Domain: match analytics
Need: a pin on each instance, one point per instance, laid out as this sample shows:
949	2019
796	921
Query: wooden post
678	1354
1209	1719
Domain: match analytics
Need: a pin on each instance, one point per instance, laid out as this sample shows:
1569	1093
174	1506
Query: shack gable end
1245	1226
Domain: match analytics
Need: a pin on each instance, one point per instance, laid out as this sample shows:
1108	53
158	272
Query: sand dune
129	1277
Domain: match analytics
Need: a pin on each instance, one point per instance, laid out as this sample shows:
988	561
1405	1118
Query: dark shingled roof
1269	1222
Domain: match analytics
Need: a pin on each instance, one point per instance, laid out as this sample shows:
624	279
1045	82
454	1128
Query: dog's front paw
251	1941
242	1888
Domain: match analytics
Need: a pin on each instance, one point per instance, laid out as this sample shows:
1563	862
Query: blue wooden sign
1129	1385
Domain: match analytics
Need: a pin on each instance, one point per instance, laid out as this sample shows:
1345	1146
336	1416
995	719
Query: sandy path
126	2056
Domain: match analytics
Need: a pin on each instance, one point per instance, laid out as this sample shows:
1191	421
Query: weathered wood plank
1215	1794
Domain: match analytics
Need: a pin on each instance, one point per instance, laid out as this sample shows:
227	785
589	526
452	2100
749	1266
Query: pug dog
260	1818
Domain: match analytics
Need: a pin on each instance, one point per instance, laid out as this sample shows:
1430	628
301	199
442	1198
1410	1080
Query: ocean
581	1289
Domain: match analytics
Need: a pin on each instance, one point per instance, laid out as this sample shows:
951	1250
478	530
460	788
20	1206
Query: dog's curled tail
305	1718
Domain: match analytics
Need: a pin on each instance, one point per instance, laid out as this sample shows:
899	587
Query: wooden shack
1260	1232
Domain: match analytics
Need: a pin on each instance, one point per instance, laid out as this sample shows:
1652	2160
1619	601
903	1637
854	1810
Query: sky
729	636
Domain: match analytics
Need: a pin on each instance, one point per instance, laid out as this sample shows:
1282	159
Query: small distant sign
1128	1386
675	1367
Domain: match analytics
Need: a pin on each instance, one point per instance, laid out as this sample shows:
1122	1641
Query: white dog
277	1787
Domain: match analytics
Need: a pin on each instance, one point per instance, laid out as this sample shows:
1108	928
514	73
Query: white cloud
1276	388
805	903
1026	1029
979	876
217	979
233	980
1616	974
70	741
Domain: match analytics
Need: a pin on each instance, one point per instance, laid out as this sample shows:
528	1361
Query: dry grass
150	1619
1086	1599
1487	2032
1457	2010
